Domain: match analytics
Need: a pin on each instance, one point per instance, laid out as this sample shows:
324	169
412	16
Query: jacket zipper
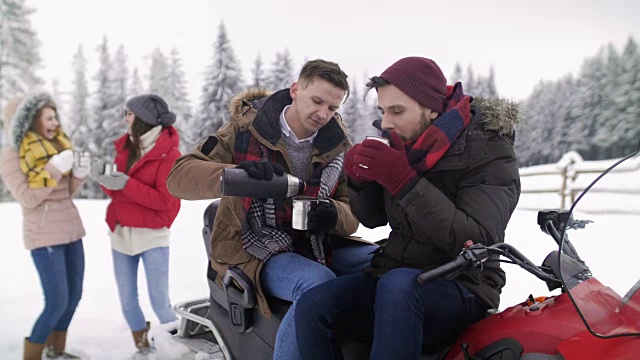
44	213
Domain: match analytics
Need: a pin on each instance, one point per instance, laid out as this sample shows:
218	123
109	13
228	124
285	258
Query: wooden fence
570	167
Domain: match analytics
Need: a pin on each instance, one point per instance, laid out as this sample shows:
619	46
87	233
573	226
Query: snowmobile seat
248	334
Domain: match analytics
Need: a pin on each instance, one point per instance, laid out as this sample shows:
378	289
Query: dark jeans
61	271
288	275
406	314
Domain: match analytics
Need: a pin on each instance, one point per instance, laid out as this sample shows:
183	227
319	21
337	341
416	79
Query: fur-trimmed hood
498	114
19	114
244	99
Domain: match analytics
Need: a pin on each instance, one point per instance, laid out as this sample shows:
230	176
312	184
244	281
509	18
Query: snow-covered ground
98	330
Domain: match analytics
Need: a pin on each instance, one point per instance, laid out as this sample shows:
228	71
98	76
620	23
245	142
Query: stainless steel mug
110	169
377	138
77	155
302	205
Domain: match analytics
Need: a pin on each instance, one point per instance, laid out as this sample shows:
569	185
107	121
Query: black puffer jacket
470	194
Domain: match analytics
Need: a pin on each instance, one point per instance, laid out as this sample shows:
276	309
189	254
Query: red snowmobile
590	318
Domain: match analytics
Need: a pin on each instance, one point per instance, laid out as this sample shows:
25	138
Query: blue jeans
156	269
407	315
61	271
288	275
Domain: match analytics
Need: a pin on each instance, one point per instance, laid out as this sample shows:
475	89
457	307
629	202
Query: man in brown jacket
448	176
296	130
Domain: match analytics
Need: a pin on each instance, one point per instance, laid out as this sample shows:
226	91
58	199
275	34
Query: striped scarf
426	150
35	152
328	181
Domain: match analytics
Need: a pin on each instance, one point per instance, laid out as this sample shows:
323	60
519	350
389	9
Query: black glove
323	218
261	170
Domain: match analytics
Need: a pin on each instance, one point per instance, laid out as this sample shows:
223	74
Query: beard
425	122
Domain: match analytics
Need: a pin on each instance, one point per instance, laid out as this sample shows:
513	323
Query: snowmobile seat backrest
215	291
208	218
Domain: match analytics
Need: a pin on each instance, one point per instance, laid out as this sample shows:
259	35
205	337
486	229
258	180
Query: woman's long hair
138	128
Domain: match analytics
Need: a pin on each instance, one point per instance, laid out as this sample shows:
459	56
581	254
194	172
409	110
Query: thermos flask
237	182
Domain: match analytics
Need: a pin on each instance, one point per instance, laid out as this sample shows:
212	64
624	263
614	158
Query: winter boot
32	351
56	344
141	341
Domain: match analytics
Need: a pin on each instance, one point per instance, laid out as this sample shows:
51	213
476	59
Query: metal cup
110	169
377	138
302	205
77	155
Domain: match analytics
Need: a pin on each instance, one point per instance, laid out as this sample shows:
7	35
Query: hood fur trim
24	114
238	103
501	115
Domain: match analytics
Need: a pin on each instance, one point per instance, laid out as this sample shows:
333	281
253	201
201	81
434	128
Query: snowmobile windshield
605	234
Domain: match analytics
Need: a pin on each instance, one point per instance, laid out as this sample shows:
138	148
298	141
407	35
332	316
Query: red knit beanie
421	79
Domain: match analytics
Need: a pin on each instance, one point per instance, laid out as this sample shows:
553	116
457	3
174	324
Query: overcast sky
524	40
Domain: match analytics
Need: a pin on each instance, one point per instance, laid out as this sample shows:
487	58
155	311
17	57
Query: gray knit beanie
151	109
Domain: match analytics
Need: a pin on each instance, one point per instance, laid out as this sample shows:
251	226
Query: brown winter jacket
49	216
196	176
469	194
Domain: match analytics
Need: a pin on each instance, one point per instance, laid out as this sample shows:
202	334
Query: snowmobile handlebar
476	254
442	271
470	257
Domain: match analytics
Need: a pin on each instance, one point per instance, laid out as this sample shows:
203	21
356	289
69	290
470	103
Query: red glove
350	165
386	165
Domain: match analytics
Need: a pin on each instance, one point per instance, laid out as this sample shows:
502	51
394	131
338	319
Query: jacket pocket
230	252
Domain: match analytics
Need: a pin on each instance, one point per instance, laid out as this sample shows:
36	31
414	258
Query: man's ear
433	115
293	91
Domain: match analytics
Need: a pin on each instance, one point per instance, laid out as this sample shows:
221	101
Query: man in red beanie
448	176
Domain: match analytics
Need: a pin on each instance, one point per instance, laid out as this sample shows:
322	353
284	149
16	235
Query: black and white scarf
260	235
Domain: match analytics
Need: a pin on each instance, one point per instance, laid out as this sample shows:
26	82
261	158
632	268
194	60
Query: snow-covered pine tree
485	86
19	50
178	98
107	112
590	88
605	139
135	85
539	115
456	75
351	112
480	89
628	100
258	76
59	97
115	126
159	75
281	73
19	57
223	80
77	119
469	84
562	95
490	85
100	99
111	98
